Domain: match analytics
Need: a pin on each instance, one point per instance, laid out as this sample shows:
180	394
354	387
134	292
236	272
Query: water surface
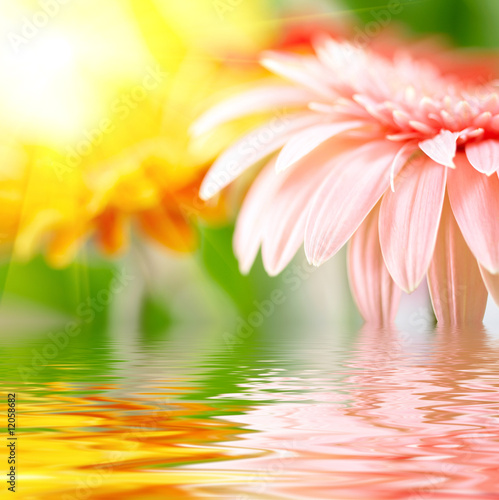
377	414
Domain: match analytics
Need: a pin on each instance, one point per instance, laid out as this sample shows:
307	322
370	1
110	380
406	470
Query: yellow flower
39	208
98	104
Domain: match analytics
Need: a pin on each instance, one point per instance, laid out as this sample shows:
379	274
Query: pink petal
251	148
286	216
306	141
484	155
492	283
345	198
441	148
456	287
250	222
474	198
401	158
299	69
374	291
252	101
409	219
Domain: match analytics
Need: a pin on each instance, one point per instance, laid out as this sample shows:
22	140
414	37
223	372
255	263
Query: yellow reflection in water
97	446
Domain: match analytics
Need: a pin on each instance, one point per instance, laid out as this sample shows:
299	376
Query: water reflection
378	414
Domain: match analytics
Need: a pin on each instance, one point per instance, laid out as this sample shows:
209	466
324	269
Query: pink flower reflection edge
386	153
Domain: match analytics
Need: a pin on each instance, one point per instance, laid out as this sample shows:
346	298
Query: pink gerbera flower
388	153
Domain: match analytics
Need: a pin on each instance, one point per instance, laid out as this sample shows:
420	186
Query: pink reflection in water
403	420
